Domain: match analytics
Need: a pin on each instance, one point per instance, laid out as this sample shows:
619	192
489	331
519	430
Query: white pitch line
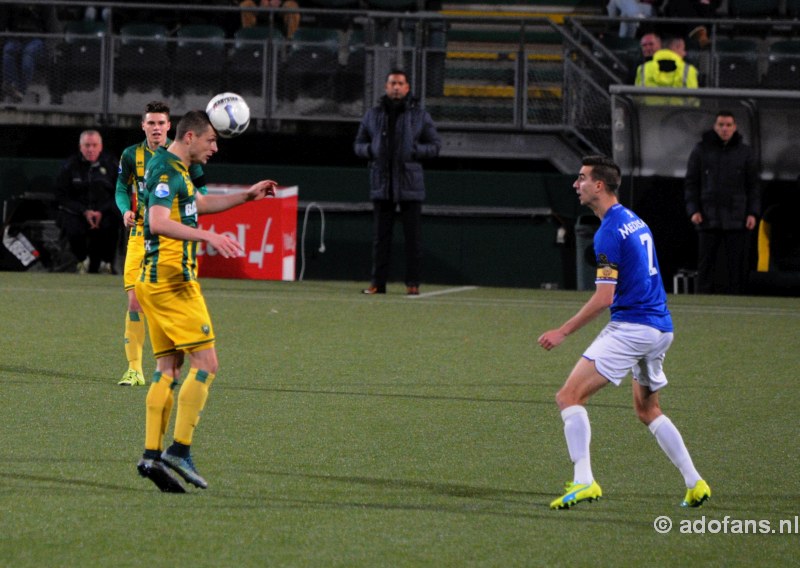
445	291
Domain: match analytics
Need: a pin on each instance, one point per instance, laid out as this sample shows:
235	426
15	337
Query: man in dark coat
88	214
723	202
394	136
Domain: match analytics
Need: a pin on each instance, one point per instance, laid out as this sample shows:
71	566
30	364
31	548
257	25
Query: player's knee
212	364
647	414
133	302
204	360
209	364
564	398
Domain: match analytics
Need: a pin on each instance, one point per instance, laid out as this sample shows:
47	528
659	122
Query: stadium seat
131	33
752	9
783	66
333	4
79	59
255	36
199	59
142	62
312	62
251	59
793	9
736	63
393	5
330	20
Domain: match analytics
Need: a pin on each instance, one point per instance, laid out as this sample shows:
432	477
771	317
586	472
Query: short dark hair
398	72
672	42
648	30
156	106
604	169
193	121
725	113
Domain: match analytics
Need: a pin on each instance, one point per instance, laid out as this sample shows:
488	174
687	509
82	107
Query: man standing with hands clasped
635	340
171	298
723	202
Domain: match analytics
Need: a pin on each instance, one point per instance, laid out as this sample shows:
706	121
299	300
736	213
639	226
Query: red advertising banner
267	231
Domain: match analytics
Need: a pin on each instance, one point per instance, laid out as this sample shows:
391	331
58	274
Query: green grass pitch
346	430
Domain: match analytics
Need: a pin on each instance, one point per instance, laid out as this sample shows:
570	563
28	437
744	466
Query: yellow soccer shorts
177	317
133	257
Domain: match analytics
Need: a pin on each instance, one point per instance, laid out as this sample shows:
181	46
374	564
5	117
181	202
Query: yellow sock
134	339
165	415
158	406
191	401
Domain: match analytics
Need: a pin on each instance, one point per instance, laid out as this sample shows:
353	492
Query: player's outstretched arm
216	203
600	301
161	224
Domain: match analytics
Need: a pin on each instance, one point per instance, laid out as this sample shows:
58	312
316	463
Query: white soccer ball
229	114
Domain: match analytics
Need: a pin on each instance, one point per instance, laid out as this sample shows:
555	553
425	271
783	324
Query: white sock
578	433
671	442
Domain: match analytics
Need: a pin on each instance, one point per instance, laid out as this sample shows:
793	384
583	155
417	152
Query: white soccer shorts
631	347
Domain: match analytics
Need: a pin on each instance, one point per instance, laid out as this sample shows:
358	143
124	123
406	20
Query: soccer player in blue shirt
635	340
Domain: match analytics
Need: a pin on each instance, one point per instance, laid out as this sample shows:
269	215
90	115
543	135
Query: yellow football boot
577	492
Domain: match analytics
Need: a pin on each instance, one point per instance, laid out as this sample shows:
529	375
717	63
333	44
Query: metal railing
656	139
503	74
496	85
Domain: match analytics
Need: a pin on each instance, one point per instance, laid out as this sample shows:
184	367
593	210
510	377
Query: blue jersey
626	256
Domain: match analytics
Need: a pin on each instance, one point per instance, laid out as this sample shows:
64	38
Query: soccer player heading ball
171	298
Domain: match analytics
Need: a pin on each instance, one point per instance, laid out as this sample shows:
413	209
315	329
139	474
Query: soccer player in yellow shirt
129	196
171	298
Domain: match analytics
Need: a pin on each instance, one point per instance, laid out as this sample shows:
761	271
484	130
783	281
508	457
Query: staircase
482	62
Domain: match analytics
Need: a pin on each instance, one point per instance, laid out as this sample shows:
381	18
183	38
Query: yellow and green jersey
130	181
168	183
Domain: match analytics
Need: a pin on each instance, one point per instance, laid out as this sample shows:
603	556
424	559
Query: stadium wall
486	234
514	250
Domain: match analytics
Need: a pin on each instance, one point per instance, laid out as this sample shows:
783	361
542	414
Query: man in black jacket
395	136
723	202
88	214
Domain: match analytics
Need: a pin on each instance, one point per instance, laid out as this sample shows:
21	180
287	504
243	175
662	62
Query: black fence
516	84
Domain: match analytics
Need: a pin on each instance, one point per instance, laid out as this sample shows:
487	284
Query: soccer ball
229	114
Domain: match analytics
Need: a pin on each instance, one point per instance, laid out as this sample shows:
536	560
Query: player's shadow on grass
493	501
30	479
549	401
435	488
7	371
